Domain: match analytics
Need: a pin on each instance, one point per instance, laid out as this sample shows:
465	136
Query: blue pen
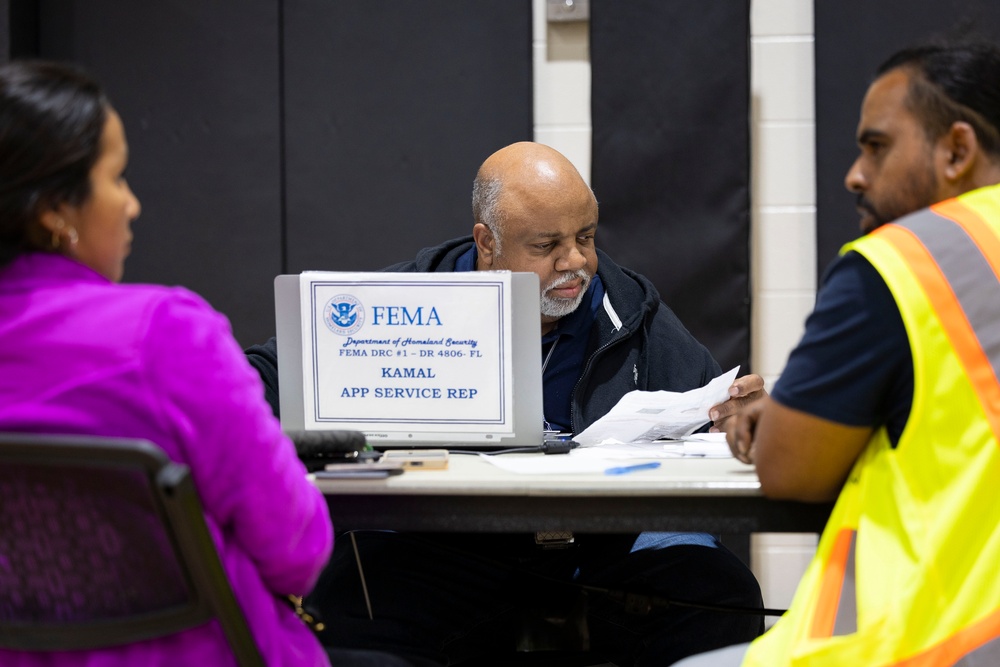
622	470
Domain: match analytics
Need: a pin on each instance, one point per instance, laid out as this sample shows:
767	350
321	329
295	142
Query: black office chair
103	542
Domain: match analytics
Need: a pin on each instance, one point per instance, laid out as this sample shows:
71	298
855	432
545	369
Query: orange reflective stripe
951	650
953	320
828	602
976	227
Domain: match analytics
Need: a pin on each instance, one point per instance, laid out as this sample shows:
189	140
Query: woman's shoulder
166	294
158	311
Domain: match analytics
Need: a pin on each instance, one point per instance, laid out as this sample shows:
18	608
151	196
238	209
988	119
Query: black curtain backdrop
853	37
671	157
197	87
5	24
390	109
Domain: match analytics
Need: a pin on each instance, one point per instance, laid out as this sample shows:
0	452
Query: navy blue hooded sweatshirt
636	342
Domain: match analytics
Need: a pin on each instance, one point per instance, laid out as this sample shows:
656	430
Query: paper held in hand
645	416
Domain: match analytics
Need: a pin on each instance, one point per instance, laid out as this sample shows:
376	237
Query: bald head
534	212
523	179
529	163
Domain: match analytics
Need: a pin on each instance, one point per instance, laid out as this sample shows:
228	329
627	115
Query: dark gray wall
671	169
390	109
4	30
197	85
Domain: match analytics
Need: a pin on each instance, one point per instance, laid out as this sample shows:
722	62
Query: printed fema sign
432	351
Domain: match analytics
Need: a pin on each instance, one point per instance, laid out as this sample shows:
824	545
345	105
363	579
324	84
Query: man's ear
961	148
483	237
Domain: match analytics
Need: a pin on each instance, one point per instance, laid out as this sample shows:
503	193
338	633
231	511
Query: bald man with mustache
444	599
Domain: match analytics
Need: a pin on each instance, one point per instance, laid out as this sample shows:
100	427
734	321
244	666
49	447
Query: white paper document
645	416
696	445
533	464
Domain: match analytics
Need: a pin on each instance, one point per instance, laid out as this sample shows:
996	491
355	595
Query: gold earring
56	240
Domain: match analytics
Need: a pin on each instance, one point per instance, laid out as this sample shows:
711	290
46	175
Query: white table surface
702	494
472	475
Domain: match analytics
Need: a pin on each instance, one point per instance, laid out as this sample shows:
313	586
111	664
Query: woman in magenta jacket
81	353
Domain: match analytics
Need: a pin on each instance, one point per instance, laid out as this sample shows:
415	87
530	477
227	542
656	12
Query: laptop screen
412	359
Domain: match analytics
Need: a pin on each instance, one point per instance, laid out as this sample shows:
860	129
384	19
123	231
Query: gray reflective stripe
968	272
987	655
847	607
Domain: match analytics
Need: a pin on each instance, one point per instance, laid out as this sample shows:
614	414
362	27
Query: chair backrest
103	542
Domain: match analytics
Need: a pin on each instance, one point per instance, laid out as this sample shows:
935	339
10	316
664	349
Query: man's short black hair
954	82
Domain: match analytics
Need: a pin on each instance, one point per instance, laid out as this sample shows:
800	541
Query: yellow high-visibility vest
907	571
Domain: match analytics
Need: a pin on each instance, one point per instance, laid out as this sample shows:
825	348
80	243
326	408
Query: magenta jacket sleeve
251	482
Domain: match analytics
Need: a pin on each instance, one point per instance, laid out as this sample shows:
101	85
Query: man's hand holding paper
645	416
744	391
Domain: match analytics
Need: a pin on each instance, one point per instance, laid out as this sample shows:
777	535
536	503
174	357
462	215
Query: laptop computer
518	418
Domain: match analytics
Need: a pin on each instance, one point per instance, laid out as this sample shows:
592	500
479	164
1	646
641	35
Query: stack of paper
647	416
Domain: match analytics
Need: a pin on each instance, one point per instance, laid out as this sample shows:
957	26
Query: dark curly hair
52	116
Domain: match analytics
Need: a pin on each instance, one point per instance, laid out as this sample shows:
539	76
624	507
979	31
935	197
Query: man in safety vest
891	401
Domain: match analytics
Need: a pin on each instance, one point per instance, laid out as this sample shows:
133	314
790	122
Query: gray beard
553	307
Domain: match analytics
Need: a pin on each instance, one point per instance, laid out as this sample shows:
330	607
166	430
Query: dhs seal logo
344	314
